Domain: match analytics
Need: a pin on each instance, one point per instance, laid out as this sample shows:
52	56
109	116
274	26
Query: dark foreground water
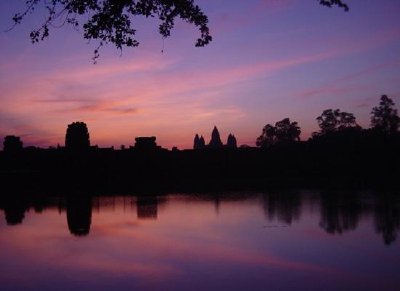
292	240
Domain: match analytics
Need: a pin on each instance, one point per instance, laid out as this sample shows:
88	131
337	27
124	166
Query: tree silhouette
331	3
215	141
384	117
332	120
268	136
284	131
110	21
287	131
77	136
12	143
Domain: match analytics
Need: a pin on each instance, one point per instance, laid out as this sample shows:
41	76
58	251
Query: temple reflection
336	212
79	214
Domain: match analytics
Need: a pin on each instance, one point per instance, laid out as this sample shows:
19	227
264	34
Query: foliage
267	137
111	21
384	117
332	120
331	3
284	131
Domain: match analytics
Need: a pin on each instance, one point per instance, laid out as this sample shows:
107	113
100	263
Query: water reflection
283	206
333	240
339	211
79	214
387	216
14	209
147	207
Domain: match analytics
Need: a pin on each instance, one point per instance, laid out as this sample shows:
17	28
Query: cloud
88	105
274	5
332	90
343	85
161	95
183	92
369	70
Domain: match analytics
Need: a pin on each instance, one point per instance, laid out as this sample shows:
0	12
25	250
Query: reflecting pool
282	240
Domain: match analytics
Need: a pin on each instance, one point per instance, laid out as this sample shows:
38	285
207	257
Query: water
293	240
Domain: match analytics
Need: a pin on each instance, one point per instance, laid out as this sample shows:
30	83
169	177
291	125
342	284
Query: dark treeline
341	153
339	211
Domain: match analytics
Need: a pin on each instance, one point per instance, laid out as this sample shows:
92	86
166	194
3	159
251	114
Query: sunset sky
269	59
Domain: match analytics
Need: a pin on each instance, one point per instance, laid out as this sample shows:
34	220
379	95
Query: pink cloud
274	5
369	71
140	94
332	90
46	93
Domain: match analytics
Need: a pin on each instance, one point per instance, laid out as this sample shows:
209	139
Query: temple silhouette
341	153
215	142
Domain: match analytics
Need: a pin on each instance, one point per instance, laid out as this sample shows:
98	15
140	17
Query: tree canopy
384	117
331	3
111	21
332	120
284	131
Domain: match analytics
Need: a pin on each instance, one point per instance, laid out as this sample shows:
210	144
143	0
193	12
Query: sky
269	59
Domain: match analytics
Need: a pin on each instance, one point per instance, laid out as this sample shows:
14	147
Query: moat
242	240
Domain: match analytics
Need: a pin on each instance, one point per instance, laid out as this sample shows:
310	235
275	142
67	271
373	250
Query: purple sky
270	59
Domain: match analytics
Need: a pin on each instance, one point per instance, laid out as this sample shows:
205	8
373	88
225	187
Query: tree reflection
283	206
387	216
147	207
79	214
14	207
14	210
340	211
